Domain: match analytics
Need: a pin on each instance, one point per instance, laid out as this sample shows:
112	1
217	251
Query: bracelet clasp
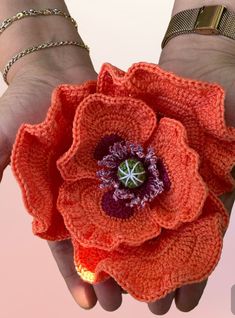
208	19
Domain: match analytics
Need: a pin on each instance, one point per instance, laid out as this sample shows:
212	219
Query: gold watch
205	20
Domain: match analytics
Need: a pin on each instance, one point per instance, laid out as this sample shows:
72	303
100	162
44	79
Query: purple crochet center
102	149
115	208
163	175
157	179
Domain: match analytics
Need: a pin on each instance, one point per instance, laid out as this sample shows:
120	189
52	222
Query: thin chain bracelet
37	48
33	12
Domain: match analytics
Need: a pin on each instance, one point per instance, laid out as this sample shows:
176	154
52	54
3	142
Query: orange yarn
199	106
91	226
159	266
176	237
34	156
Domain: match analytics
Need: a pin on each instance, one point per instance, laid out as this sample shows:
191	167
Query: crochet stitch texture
175	128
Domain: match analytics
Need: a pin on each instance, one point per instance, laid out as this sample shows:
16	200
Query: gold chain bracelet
37	48
33	12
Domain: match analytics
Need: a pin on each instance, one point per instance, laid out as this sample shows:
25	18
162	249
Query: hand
206	58
27	100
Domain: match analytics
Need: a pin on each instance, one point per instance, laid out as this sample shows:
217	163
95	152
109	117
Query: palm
27	100
198	58
207	59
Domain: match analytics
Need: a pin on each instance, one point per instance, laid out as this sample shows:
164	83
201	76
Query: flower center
131	173
135	176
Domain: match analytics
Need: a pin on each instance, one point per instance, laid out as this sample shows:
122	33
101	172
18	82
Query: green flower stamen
131	173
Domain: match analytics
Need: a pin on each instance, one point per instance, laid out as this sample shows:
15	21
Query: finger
228	200
187	297
5	153
82	292
109	294
162	306
123	291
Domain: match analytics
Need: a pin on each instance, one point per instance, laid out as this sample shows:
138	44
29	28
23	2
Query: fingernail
85	297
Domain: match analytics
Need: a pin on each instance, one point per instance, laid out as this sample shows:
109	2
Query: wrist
35	30
201	42
9	8
181	5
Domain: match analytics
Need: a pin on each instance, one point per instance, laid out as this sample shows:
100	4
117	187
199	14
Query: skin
32	80
206	58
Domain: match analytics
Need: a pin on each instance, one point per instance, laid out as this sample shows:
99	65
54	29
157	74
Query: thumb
7	131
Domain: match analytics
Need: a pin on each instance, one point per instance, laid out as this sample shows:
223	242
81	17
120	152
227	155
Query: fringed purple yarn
157	179
152	187
114	208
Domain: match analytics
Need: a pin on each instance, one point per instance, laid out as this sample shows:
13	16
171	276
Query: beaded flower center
131	173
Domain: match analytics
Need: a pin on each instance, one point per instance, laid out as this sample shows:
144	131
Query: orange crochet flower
34	155
119	178
100	217
159	266
199	106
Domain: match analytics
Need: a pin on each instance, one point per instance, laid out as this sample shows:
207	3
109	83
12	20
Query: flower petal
159	266
198	105
80	203
100	116
213	169
187	194
34	155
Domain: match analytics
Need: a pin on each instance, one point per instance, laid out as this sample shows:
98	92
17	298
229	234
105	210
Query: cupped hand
27	100
205	58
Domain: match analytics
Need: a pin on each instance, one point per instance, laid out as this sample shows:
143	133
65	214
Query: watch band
205	20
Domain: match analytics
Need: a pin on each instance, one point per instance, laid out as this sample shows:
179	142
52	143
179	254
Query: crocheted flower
120	179
34	155
199	106
103	209
159	266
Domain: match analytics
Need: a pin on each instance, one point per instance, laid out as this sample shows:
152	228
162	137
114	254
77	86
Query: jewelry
207	20
32	12
37	48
